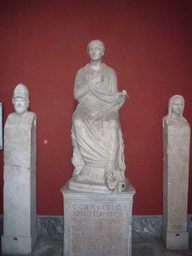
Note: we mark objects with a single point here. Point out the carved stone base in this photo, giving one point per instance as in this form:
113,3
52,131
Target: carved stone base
12,245
97,224
176,240
76,185
89,186
19,227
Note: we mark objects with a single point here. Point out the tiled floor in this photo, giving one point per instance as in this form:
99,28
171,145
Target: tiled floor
139,249
156,249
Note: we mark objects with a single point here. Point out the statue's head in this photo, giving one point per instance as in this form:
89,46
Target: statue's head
20,99
96,44
176,106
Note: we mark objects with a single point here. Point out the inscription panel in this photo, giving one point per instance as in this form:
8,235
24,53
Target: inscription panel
97,224
99,228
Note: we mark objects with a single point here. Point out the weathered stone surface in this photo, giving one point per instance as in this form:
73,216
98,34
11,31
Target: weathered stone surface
98,198
95,187
98,147
20,229
18,245
20,140
19,210
97,224
176,142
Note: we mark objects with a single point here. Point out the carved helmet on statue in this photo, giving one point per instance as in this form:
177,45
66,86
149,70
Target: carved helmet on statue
20,99
21,91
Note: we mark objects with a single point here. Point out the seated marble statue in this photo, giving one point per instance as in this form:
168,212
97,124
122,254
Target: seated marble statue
98,148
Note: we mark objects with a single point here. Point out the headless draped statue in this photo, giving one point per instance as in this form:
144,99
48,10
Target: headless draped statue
98,148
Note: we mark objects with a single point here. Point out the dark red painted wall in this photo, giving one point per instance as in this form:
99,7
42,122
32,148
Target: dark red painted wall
148,43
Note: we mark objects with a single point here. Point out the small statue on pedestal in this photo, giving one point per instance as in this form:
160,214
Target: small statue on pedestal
98,147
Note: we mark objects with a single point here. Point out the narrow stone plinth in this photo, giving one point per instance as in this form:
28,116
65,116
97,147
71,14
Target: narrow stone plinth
176,240
176,143
19,228
97,224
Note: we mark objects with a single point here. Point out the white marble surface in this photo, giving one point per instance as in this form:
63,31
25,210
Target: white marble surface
19,213
98,147
20,228
20,140
97,224
176,143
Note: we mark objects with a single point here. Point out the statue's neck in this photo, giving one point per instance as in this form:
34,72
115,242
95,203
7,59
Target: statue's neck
22,115
175,116
96,65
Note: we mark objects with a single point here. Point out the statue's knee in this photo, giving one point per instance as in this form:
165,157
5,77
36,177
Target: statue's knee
113,123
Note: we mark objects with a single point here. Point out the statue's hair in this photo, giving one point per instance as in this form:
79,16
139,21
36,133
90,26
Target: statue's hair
96,41
171,100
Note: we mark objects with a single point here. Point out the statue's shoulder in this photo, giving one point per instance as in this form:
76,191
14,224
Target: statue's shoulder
28,114
12,115
82,70
16,120
174,124
31,114
108,70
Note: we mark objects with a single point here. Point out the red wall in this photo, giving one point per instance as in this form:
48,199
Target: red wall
148,43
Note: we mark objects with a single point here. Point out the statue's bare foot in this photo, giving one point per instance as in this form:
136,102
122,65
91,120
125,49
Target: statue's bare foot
111,182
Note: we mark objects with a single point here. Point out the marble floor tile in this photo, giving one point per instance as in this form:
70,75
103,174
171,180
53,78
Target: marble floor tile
139,249
156,248
144,250
48,249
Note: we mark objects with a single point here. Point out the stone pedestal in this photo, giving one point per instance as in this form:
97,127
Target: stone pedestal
97,224
176,140
20,230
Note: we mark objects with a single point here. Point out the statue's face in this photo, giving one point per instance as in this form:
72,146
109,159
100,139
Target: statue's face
177,106
20,105
95,51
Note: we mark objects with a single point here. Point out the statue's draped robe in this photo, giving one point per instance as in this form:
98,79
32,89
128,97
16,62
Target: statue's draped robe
96,132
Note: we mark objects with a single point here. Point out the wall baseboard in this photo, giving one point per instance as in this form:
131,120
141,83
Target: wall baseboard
144,228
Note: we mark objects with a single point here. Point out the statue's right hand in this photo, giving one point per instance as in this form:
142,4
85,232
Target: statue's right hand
97,79
81,91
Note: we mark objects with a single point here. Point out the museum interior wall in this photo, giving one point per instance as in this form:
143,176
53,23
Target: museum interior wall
149,45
